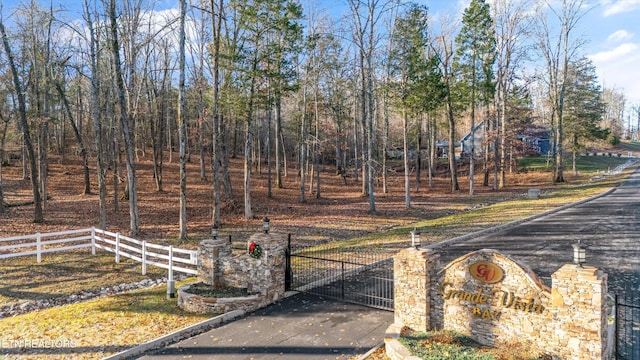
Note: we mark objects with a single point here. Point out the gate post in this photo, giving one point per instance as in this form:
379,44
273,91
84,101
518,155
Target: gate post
288,274
580,312
414,272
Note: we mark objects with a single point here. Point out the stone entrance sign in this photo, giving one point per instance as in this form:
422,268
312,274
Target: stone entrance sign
498,300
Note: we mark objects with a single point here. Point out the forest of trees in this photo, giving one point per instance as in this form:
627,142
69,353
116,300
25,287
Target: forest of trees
282,84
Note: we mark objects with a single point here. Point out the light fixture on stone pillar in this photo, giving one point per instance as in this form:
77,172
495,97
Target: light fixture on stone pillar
265,225
214,232
579,254
415,238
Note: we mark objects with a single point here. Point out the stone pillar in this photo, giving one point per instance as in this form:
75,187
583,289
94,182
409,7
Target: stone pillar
579,298
268,272
209,254
414,271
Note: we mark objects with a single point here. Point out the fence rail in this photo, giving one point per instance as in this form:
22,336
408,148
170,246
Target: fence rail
166,257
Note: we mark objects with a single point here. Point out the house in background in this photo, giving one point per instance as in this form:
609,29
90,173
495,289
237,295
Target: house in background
478,139
534,141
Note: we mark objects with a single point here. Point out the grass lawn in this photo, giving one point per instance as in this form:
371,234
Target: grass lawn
99,327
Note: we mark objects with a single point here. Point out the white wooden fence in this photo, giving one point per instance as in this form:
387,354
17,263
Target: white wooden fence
166,257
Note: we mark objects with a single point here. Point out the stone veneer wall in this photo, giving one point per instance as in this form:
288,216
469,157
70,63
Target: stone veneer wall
264,278
568,321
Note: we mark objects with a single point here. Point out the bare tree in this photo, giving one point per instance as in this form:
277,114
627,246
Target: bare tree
38,216
442,46
95,113
127,129
558,50
513,22
366,16
182,126
216,25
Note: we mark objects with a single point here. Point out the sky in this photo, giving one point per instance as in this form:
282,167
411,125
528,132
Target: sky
611,31
610,28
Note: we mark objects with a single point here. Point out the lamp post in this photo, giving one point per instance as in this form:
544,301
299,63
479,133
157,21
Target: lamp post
415,238
265,225
579,254
214,232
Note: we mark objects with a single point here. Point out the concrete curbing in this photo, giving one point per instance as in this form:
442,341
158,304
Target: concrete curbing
177,335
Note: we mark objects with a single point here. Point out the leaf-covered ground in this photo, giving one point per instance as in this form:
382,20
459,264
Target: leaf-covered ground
108,325
340,212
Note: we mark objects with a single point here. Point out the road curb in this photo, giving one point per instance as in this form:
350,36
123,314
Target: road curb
177,335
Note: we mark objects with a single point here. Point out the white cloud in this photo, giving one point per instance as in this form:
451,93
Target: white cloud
619,6
617,54
620,35
618,67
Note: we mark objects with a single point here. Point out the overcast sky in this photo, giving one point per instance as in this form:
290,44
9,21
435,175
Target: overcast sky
611,30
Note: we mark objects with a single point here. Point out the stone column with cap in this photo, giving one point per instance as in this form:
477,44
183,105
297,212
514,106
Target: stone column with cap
414,272
580,312
210,253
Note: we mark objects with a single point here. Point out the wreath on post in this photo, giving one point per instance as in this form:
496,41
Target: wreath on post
255,250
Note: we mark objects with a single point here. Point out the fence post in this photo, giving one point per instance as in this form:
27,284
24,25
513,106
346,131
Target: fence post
93,240
171,284
144,258
38,247
117,248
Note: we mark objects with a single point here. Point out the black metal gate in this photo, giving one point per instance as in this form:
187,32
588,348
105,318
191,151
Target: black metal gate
356,274
627,328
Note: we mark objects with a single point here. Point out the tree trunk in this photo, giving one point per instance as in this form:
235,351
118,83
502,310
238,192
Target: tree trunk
134,228
96,116
76,133
215,146
279,145
405,150
248,211
182,123
38,216
303,146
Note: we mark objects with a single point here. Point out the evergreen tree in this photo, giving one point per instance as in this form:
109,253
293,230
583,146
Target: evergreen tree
583,106
417,84
475,55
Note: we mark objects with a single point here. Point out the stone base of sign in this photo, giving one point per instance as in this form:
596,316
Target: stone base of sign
497,300
394,349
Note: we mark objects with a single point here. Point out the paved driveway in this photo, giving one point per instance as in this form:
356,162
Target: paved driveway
299,327
609,226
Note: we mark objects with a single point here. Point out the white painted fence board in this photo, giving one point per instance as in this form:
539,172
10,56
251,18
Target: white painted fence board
126,247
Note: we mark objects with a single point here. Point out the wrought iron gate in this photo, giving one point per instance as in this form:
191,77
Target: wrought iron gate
627,328
357,274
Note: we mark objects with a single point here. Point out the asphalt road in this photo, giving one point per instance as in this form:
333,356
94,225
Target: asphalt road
609,226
